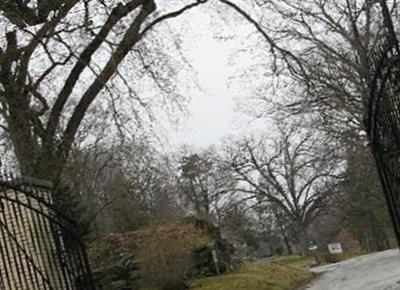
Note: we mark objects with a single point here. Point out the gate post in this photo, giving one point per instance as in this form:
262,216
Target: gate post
33,234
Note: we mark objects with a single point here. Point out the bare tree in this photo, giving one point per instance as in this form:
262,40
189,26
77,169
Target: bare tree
323,51
57,58
294,173
204,181
326,52
122,187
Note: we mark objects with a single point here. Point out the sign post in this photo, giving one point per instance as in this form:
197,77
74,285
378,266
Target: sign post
313,247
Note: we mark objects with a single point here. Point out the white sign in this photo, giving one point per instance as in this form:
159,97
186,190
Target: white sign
313,248
335,248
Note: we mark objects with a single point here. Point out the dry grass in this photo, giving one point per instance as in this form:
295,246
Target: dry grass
296,261
255,276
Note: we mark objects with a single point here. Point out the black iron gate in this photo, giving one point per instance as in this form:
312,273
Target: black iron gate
382,118
38,247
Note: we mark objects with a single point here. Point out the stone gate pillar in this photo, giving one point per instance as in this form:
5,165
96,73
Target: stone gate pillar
31,243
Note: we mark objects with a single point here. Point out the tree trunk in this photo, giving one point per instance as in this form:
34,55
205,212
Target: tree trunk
285,239
20,130
302,238
287,244
283,233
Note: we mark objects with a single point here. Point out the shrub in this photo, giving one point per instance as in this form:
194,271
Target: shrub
330,258
112,249
165,252
163,255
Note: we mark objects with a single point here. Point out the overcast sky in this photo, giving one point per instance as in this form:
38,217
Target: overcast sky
214,107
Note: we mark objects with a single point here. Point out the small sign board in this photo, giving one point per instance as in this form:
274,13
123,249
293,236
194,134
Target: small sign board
335,248
312,245
313,248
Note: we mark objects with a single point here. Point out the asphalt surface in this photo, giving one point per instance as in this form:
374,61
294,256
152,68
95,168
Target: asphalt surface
379,271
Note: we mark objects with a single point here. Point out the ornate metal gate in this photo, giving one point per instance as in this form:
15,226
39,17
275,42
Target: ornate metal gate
382,118
38,248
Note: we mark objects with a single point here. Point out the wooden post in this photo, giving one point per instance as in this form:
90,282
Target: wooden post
215,260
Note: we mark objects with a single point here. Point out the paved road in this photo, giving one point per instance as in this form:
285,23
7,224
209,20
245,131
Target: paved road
380,271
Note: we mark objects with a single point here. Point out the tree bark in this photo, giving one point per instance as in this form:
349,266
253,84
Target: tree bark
283,233
302,237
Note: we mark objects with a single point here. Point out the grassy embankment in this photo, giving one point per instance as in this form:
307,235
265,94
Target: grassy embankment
256,276
285,273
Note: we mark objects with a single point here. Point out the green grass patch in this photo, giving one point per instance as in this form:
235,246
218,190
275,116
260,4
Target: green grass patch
256,276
